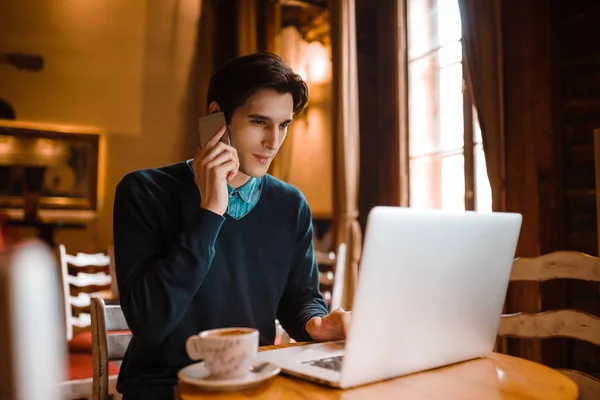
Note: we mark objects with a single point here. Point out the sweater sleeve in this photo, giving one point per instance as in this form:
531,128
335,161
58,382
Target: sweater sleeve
302,299
156,284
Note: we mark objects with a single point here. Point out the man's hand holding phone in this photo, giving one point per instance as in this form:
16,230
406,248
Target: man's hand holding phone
215,165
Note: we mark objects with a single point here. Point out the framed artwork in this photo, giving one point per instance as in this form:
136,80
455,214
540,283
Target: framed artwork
59,164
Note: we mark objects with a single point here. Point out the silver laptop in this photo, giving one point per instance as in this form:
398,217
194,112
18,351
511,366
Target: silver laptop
430,292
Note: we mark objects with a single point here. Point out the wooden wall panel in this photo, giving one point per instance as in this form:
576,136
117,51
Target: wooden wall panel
533,165
578,34
380,86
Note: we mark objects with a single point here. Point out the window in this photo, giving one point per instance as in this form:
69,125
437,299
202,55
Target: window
446,159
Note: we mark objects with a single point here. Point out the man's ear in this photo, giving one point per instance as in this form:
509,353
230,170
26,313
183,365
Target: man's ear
213,107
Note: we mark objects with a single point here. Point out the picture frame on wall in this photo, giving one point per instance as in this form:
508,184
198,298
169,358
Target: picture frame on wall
59,164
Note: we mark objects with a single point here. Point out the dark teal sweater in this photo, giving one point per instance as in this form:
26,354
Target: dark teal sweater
181,270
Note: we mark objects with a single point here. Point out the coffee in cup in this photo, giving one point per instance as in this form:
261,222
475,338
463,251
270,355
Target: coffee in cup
227,352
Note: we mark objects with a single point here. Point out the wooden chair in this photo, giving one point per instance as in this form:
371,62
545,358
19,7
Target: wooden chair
111,336
331,280
83,276
557,323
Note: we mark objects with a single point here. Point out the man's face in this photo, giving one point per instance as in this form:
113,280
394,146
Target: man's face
258,128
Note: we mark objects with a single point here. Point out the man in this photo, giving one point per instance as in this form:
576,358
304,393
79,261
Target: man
217,242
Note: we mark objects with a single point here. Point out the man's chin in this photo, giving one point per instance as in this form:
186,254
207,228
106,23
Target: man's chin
257,171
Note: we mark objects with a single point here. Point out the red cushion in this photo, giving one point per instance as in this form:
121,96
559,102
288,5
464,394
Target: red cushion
82,342
80,366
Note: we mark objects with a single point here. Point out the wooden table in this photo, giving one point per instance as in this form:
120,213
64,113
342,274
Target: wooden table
496,376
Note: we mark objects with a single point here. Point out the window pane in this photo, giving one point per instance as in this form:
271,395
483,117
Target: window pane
449,24
483,190
451,108
477,127
450,54
423,110
453,183
420,28
424,180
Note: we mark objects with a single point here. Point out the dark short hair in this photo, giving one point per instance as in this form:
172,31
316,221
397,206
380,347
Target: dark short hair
241,77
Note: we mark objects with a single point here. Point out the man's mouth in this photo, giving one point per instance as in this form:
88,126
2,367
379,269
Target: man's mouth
262,159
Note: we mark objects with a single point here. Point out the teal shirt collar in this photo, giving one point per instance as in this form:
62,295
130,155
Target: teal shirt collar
246,190
247,196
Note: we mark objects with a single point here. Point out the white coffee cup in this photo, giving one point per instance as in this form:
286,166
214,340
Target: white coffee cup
227,353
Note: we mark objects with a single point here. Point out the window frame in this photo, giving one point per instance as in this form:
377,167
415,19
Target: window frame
470,144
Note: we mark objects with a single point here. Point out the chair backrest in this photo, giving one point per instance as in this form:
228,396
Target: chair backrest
557,323
110,338
331,275
338,278
82,275
32,345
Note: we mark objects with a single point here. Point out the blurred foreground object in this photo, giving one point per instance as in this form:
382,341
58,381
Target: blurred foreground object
32,342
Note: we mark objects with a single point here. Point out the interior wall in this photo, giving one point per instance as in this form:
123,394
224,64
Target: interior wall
93,55
306,160
126,67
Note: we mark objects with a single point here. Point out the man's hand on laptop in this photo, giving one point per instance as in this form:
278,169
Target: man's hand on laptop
330,327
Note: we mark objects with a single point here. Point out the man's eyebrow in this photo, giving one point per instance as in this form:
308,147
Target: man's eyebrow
258,116
266,118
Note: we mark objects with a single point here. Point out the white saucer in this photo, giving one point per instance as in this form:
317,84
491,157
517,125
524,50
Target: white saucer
197,375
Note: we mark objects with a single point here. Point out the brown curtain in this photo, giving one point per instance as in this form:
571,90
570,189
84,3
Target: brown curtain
288,46
198,79
346,139
482,44
205,52
482,50
247,27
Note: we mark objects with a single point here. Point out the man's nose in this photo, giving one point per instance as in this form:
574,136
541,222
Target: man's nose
271,139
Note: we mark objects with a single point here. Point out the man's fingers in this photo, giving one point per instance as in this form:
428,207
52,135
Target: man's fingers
220,148
217,136
317,323
227,168
220,159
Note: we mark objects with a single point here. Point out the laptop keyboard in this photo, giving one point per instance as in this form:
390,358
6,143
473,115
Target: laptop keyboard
334,363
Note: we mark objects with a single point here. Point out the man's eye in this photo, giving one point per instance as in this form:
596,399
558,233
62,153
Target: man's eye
284,125
258,122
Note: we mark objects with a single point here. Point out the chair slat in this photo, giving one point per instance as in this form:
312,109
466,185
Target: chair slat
83,259
88,269
325,258
80,310
75,290
115,320
326,278
589,387
84,279
557,265
80,329
561,323
117,345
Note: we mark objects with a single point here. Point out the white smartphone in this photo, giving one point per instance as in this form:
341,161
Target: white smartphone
209,125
